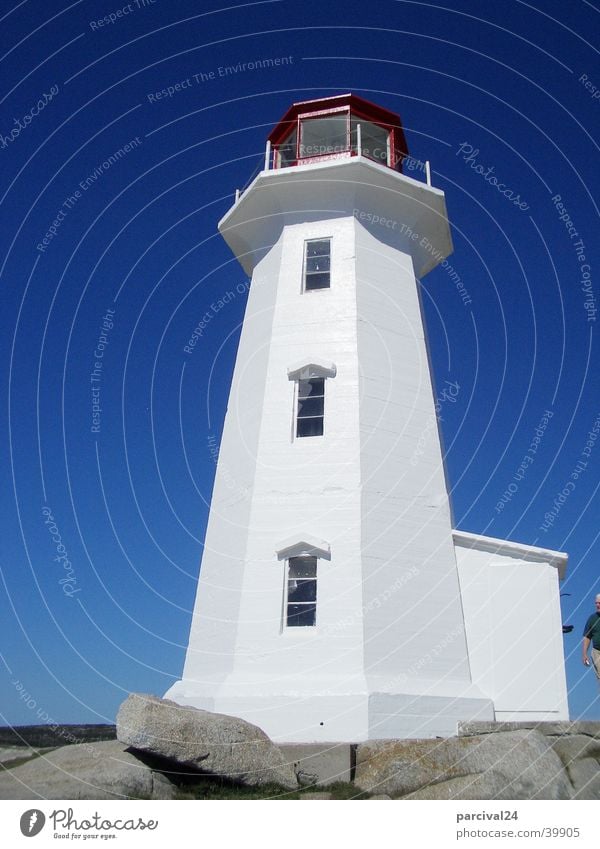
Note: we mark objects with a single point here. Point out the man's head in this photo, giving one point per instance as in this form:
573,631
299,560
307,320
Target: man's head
598,601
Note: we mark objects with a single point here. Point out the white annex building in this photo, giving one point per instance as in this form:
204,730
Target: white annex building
335,601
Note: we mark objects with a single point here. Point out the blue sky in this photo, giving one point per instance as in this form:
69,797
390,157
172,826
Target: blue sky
132,261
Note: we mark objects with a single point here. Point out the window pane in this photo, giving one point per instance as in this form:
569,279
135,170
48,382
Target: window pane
303,567
287,150
320,136
317,248
314,386
317,281
317,263
310,427
311,407
302,590
373,140
301,614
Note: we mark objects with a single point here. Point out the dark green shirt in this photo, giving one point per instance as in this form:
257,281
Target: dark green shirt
592,630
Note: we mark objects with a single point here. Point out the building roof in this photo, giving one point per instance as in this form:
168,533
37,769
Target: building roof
512,549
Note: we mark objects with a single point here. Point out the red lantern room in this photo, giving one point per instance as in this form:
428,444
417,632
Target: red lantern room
337,128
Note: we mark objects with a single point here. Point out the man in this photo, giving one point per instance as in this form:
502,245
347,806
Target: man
591,634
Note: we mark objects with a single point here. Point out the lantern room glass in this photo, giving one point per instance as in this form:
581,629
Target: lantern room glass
286,152
330,135
374,140
323,136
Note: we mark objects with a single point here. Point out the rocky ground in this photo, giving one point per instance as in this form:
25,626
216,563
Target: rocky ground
166,751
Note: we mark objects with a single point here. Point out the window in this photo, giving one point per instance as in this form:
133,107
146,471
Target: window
286,151
323,136
317,260
311,407
300,555
309,404
374,140
301,604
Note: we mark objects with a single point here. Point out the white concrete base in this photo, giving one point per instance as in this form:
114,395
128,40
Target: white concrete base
529,716
287,717
401,716
293,717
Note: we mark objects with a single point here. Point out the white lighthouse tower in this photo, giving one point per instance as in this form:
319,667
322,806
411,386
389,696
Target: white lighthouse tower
329,604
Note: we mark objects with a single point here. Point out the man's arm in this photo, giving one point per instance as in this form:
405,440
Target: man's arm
585,647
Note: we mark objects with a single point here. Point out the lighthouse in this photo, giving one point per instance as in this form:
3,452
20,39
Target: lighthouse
335,600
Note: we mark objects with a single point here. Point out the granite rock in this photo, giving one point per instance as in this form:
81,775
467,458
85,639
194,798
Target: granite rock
523,763
214,743
86,771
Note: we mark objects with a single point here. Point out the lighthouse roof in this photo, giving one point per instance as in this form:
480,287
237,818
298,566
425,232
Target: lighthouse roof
338,127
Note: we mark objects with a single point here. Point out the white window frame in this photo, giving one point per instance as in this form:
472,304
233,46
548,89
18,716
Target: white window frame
305,273
307,546
308,371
